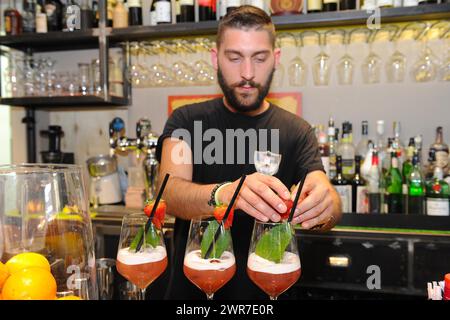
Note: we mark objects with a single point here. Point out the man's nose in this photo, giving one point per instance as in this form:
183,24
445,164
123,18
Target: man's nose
247,70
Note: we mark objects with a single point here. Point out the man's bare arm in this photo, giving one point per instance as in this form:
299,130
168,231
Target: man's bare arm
184,198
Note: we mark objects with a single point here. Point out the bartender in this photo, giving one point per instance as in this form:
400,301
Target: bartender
206,147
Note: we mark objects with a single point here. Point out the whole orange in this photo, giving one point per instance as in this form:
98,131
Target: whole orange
30,284
4,274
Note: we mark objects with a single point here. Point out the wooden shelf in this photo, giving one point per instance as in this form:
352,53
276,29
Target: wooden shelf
66,101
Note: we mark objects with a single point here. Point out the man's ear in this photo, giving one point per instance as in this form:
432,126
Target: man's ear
277,55
214,61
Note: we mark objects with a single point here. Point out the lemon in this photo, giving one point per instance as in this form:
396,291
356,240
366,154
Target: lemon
27,260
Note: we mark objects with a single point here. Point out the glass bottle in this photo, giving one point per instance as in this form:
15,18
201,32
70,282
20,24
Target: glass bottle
13,20
187,11
120,15
416,188
324,150
343,187
360,201
134,12
314,6
347,151
393,181
332,149
374,186
406,171
53,9
87,15
163,11
96,13
29,16
362,147
397,143
205,9
441,150
347,5
153,20
330,5
438,194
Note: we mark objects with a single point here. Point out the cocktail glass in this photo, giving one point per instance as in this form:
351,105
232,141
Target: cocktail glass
209,261
140,267
273,262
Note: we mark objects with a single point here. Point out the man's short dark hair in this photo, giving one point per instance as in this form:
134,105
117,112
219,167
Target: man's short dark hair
246,18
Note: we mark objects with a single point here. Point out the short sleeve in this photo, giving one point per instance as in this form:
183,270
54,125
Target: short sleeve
177,120
307,152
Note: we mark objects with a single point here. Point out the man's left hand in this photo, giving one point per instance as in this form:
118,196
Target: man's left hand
319,205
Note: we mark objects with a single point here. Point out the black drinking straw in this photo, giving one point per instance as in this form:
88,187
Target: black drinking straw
155,205
303,173
225,217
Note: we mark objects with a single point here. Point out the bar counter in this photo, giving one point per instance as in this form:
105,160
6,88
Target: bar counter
409,250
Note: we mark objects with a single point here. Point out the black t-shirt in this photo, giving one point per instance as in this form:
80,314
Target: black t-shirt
276,130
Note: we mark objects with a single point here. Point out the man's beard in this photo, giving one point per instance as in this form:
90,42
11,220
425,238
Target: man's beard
234,99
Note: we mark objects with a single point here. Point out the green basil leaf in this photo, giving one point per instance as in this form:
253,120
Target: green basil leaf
273,243
218,247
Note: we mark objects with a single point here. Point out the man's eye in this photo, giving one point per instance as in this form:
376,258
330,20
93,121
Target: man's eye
260,59
234,59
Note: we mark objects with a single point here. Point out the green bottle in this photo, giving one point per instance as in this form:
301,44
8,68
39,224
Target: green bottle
394,183
406,171
438,194
416,188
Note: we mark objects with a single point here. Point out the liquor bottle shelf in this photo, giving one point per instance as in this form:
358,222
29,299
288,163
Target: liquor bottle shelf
54,41
45,102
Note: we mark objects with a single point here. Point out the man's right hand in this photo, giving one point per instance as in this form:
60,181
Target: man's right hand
261,196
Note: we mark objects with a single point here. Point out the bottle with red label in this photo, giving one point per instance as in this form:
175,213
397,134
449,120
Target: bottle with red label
205,10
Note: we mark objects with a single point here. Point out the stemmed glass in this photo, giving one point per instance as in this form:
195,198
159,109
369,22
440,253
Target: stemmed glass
426,67
396,65
144,266
205,74
273,261
297,68
371,67
322,65
344,67
445,68
209,261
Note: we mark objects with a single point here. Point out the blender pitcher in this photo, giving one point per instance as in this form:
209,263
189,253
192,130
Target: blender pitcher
44,210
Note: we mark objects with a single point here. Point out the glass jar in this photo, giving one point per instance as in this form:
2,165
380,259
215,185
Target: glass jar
84,78
44,210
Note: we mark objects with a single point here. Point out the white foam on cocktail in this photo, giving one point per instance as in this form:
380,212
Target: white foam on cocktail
194,260
148,255
289,263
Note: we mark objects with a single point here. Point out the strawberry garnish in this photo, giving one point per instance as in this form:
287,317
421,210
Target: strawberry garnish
219,213
158,218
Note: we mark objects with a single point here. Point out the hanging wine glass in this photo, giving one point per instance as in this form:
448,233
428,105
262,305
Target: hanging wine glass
445,68
322,65
345,67
297,68
396,64
282,40
371,67
183,73
426,67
